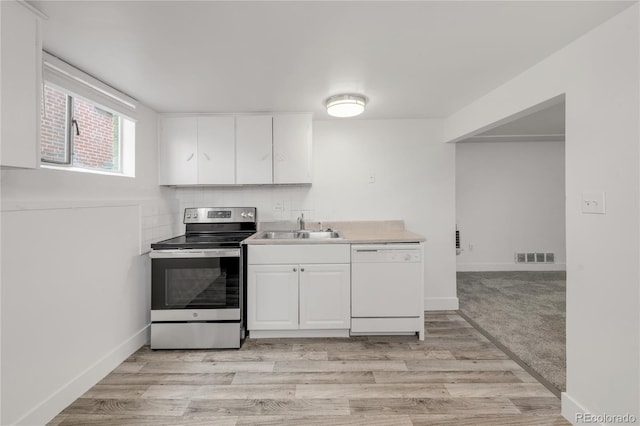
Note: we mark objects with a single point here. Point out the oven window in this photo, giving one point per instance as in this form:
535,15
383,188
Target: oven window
210,283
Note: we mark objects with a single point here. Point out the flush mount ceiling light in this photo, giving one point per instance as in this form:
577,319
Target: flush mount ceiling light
347,105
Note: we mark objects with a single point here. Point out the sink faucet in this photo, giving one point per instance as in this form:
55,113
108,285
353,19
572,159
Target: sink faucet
301,221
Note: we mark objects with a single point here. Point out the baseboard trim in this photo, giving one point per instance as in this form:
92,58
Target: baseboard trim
276,334
570,408
441,304
490,267
59,400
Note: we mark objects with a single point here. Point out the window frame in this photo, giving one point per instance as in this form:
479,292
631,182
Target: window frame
78,85
70,135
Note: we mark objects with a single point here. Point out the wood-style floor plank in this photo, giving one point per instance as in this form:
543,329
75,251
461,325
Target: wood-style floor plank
142,420
463,365
220,392
378,356
510,390
352,420
434,405
330,377
263,355
318,366
548,405
488,420
269,406
361,391
168,379
207,367
454,377
140,407
115,391
445,377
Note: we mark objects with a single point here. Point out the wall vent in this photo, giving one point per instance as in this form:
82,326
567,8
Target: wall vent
534,257
458,248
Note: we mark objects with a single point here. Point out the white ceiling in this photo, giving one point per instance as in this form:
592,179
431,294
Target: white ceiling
411,59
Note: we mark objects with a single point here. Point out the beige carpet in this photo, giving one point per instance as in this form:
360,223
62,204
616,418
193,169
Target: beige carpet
523,311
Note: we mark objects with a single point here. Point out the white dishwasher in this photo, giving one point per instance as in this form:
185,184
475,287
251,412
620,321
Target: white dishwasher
387,289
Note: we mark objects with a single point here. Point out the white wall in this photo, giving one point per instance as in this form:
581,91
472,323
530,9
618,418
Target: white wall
510,198
599,75
75,287
414,181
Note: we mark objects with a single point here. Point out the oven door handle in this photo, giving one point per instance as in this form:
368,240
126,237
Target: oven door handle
192,254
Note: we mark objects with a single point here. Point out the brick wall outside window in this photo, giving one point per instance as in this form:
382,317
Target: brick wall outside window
97,146
53,146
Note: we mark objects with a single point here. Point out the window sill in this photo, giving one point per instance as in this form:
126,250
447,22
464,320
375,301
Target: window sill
81,170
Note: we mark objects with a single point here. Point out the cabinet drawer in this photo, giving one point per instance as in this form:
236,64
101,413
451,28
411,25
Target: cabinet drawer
298,253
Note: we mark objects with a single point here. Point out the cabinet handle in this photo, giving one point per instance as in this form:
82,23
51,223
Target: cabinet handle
190,157
301,269
206,156
295,270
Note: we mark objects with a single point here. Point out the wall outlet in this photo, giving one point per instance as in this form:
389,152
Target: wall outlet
593,202
278,206
372,177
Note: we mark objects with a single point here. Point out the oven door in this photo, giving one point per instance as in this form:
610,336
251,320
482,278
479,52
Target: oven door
196,285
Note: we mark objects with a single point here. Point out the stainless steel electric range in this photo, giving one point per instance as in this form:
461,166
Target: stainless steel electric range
197,281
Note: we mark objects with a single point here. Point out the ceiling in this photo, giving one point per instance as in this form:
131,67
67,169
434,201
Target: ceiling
411,59
544,125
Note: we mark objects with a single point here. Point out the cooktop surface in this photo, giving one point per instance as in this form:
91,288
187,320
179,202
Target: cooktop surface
219,240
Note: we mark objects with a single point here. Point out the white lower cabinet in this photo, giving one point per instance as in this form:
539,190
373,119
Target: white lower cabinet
324,296
298,296
272,297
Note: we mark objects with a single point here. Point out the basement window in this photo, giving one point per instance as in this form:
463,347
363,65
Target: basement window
78,132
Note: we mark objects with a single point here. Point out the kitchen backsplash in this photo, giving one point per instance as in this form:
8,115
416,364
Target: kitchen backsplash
160,219
273,203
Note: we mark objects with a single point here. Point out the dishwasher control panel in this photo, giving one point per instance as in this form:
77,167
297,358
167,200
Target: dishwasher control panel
396,253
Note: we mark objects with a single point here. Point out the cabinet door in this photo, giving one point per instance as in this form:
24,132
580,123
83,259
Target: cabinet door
325,296
292,148
177,151
272,297
254,149
21,72
216,150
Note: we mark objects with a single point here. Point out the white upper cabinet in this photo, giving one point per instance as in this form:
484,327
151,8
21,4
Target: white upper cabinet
21,51
178,151
241,149
292,148
216,150
254,148
196,150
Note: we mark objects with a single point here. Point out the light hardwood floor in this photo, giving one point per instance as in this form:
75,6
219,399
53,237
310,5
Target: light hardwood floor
455,377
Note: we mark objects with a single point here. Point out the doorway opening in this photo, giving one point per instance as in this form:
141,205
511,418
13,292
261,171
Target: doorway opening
510,208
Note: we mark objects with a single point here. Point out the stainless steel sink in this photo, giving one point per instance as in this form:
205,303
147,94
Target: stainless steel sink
292,235
278,235
318,234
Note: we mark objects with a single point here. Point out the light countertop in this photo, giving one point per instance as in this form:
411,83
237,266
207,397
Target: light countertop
354,232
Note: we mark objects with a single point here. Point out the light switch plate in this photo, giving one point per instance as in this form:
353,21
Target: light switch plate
593,202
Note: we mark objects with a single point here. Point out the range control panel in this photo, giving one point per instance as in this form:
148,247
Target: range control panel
219,214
